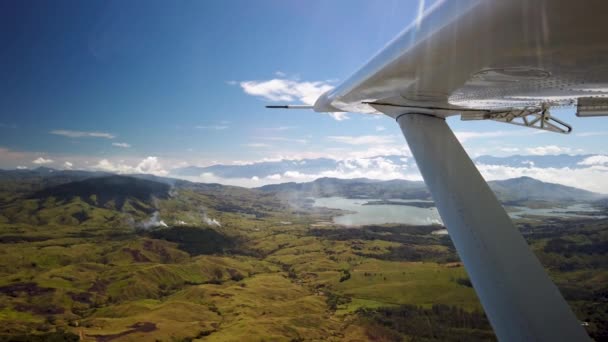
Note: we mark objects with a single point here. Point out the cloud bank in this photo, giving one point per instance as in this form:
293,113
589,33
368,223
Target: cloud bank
150,165
82,134
590,173
42,161
286,90
121,144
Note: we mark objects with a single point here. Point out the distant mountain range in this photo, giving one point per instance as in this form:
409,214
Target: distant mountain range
353,188
319,165
41,177
508,191
64,185
45,196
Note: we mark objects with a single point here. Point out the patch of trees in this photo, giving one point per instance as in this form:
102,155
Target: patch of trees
333,300
586,249
595,314
345,275
195,241
81,216
30,289
233,208
23,238
415,253
590,305
57,336
415,235
557,228
568,248
438,323
235,275
403,229
417,242
464,282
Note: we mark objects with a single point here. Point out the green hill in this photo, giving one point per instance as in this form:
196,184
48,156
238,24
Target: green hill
530,189
100,191
144,258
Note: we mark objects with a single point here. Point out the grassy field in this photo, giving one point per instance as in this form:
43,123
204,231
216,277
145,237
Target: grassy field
78,269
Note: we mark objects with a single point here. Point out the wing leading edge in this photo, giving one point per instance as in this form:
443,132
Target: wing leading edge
479,56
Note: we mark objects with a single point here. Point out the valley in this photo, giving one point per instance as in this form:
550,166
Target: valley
101,257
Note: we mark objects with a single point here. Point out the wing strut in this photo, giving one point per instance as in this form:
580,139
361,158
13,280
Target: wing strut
519,298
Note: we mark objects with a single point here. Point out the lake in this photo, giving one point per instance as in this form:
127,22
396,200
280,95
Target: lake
378,214
418,215
579,210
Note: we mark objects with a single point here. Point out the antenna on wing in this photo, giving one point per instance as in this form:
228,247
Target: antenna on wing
291,107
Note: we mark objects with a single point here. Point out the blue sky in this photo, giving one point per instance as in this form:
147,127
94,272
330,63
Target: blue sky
186,82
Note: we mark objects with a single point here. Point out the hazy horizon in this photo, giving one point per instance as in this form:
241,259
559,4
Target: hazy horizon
116,90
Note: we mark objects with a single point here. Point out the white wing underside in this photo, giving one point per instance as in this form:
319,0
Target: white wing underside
463,56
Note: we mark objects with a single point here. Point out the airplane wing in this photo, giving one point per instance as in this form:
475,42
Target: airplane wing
488,59
503,60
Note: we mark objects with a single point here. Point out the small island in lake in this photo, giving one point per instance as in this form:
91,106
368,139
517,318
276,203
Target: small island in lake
418,204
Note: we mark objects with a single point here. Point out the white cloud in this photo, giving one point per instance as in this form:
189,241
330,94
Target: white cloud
213,127
528,163
42,161
286,90
257,145
363,139
82,134
593,178
283,139
67,165
508,149
469,135
374,168
149,165
106,165
346,151
595,160
278,128
548,150
591,134
21,167
290,90
122,144
338,116
380,128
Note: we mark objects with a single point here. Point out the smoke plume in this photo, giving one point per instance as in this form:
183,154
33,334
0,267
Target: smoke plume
153,222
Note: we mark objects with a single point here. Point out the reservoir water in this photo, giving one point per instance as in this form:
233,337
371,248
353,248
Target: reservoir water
362,214
378,214
579,210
